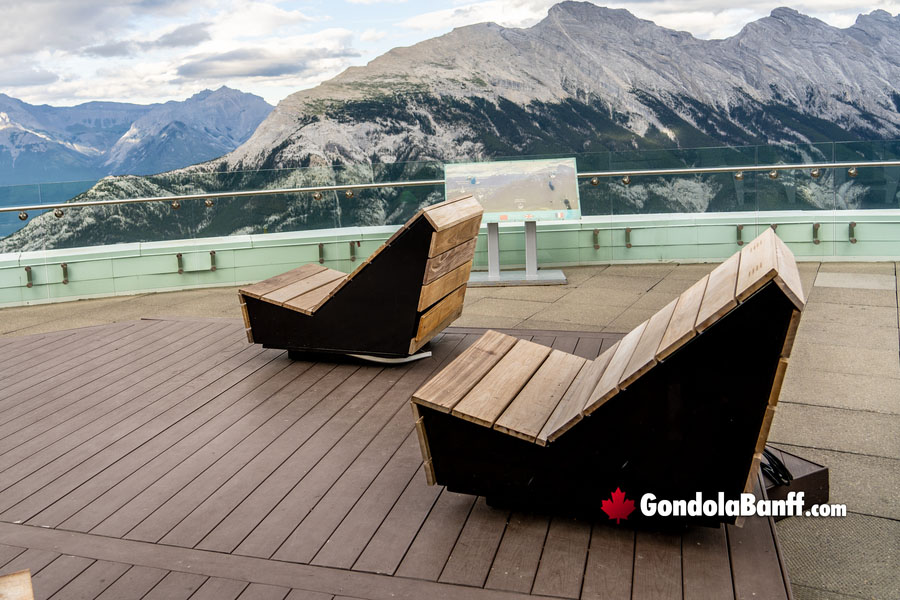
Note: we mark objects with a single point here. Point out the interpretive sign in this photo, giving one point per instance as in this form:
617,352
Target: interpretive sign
518,190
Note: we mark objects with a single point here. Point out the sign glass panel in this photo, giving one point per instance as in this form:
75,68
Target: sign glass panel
518,190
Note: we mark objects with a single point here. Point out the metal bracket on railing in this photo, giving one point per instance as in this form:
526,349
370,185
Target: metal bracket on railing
774,226
816,233
628,237
852,232
28,281
180,263
353,247
321,254
212,260
65,269
596,239
740,228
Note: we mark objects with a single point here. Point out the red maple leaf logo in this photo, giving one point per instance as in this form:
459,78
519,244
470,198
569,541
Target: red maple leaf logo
617,507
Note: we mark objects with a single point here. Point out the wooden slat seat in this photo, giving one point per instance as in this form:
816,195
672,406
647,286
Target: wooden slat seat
397,300
705,369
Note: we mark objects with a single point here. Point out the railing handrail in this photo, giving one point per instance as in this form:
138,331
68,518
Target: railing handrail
432,182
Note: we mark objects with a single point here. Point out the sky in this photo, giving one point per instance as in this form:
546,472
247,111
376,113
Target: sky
65,52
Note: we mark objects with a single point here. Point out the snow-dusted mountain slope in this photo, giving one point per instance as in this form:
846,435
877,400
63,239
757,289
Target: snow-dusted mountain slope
88,141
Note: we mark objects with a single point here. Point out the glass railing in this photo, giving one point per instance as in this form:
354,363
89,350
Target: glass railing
296,204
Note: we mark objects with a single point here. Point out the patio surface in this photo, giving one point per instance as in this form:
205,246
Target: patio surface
840,405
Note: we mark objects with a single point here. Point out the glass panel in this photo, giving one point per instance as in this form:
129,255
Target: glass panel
871,187
15,234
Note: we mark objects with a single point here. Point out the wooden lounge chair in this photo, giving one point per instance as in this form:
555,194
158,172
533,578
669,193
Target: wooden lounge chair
403,295
681,404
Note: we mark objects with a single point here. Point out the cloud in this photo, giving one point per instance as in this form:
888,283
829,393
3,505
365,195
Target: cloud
33,26
111,49
186,35
24,76
372,35
248,19
510,13
376,1
259,62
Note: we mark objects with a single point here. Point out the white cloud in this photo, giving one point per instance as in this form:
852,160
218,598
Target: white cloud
34,25
13,75
372,35
510,13
249,19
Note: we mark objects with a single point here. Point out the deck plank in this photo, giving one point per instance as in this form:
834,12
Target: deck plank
218,588
94,580
323,514
434,542
395,535
706,570
519,554
7,553
46,348
260,591
46,398
32,559
346,544
657,566
610,563
753,550
562,562
134,584
176,586
470,560
58,574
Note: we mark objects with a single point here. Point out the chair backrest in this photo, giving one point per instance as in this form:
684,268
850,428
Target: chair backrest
765,259
450,254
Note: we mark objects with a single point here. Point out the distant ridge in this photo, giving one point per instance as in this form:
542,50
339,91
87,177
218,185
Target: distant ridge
45,143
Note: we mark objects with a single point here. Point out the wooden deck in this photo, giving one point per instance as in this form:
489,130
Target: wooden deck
170,459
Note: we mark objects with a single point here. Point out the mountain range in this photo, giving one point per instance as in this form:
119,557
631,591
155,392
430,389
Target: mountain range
40,144
586,80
